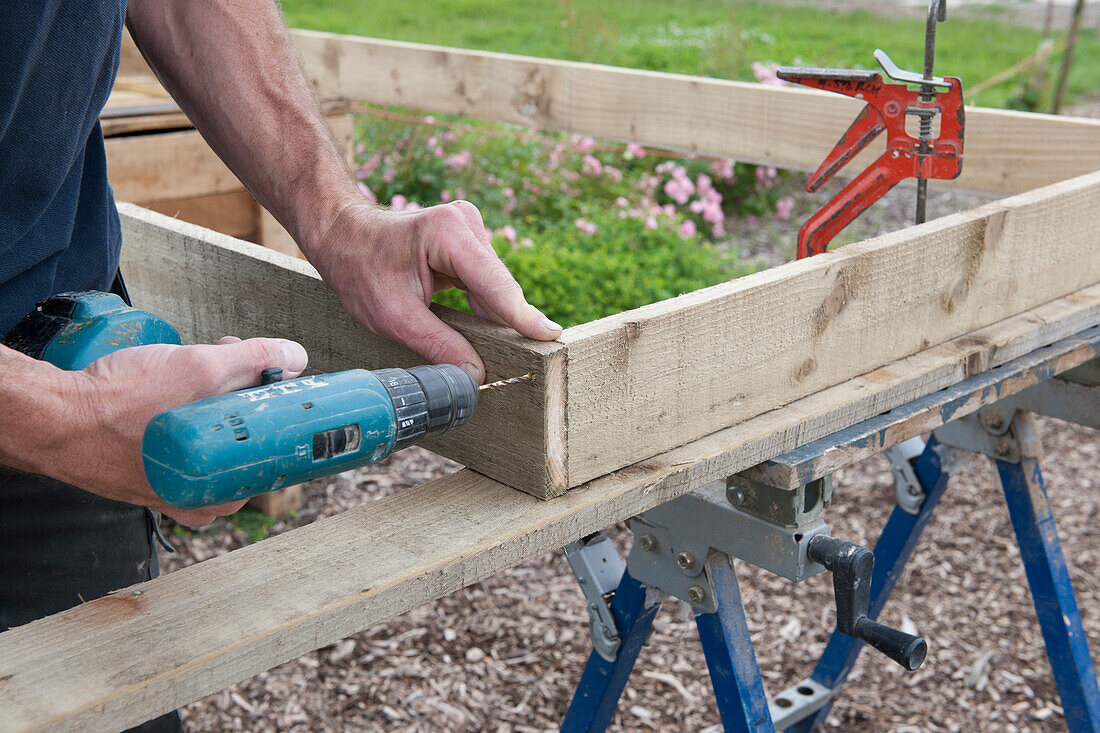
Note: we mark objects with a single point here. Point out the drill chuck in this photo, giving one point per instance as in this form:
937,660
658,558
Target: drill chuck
428,400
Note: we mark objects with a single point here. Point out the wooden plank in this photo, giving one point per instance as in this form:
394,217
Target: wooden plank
1029,378
229,213
209,285
178,164
166,166
117,661
1006,152
646,380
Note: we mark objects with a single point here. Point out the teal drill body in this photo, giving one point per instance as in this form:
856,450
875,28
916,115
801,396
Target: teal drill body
255,440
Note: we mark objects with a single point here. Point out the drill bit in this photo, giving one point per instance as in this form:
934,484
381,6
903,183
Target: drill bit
505,382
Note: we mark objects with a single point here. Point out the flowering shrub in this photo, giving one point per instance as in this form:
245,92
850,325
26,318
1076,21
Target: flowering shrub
587,229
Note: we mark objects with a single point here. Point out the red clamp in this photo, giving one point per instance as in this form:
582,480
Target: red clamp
905,157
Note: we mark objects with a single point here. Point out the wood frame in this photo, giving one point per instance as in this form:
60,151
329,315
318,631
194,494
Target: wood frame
983,287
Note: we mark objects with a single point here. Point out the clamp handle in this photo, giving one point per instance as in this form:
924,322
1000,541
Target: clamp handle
851,566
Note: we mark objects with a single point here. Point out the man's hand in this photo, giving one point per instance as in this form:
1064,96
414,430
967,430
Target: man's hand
95,444
386,266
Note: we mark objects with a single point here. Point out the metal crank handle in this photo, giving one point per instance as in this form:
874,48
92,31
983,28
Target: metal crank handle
851,566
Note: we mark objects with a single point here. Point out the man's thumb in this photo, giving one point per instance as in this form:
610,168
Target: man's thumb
246,359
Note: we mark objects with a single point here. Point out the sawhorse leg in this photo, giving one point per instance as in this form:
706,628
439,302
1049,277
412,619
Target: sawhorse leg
727,645
1051,589
602,682
892,552
731,660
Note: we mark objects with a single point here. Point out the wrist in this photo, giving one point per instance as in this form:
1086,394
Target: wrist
331,223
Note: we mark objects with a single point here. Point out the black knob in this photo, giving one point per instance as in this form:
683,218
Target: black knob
851,566
271,375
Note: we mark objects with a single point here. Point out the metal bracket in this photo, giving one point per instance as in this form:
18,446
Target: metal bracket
777,505
798,702
985,432
907,489
599,569
672,544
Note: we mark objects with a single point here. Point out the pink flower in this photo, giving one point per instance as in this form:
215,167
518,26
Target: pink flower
509,233
360,149
582,143
445,195
634,150
765,74
460,193
526,242
438,151
449,137
687,229
621,203
429,120
388,175
586,226
508,192
722,169
369,166
433,141
650,223
766,175
398,202
460,160
783,208
703,183
369,194
718,229
592,166
613,173
679,188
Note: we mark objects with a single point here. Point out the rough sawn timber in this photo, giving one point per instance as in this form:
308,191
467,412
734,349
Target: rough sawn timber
646,380
122,659
1005,152
210,285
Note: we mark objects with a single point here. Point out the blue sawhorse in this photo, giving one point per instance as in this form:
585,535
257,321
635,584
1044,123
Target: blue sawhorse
1003,430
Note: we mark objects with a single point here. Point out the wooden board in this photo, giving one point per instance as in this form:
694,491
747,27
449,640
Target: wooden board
120,660
646,380
229,213
1005,152
209,285
627,387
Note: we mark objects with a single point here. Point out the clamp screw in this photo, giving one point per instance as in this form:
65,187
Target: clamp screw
735,496
696,594
993,420
1002,448
648,542
686,560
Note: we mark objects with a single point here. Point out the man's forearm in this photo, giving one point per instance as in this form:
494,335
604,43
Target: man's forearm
232,69
33,397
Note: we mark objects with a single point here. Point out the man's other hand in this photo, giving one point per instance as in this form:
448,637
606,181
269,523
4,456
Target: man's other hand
116,396
386,266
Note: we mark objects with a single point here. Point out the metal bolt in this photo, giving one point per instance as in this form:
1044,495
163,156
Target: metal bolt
993,420
686,560
1002,449
647,542
696,594
735,496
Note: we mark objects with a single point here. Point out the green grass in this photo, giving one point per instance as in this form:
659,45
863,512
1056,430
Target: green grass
706,37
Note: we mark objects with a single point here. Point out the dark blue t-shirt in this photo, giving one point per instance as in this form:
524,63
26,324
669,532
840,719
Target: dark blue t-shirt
59,228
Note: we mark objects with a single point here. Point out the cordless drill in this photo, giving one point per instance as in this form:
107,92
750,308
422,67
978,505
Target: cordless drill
256,440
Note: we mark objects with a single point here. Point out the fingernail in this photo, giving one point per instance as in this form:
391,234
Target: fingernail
295,355
547,323
473,370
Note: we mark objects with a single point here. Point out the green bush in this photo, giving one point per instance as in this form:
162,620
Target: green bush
576,277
